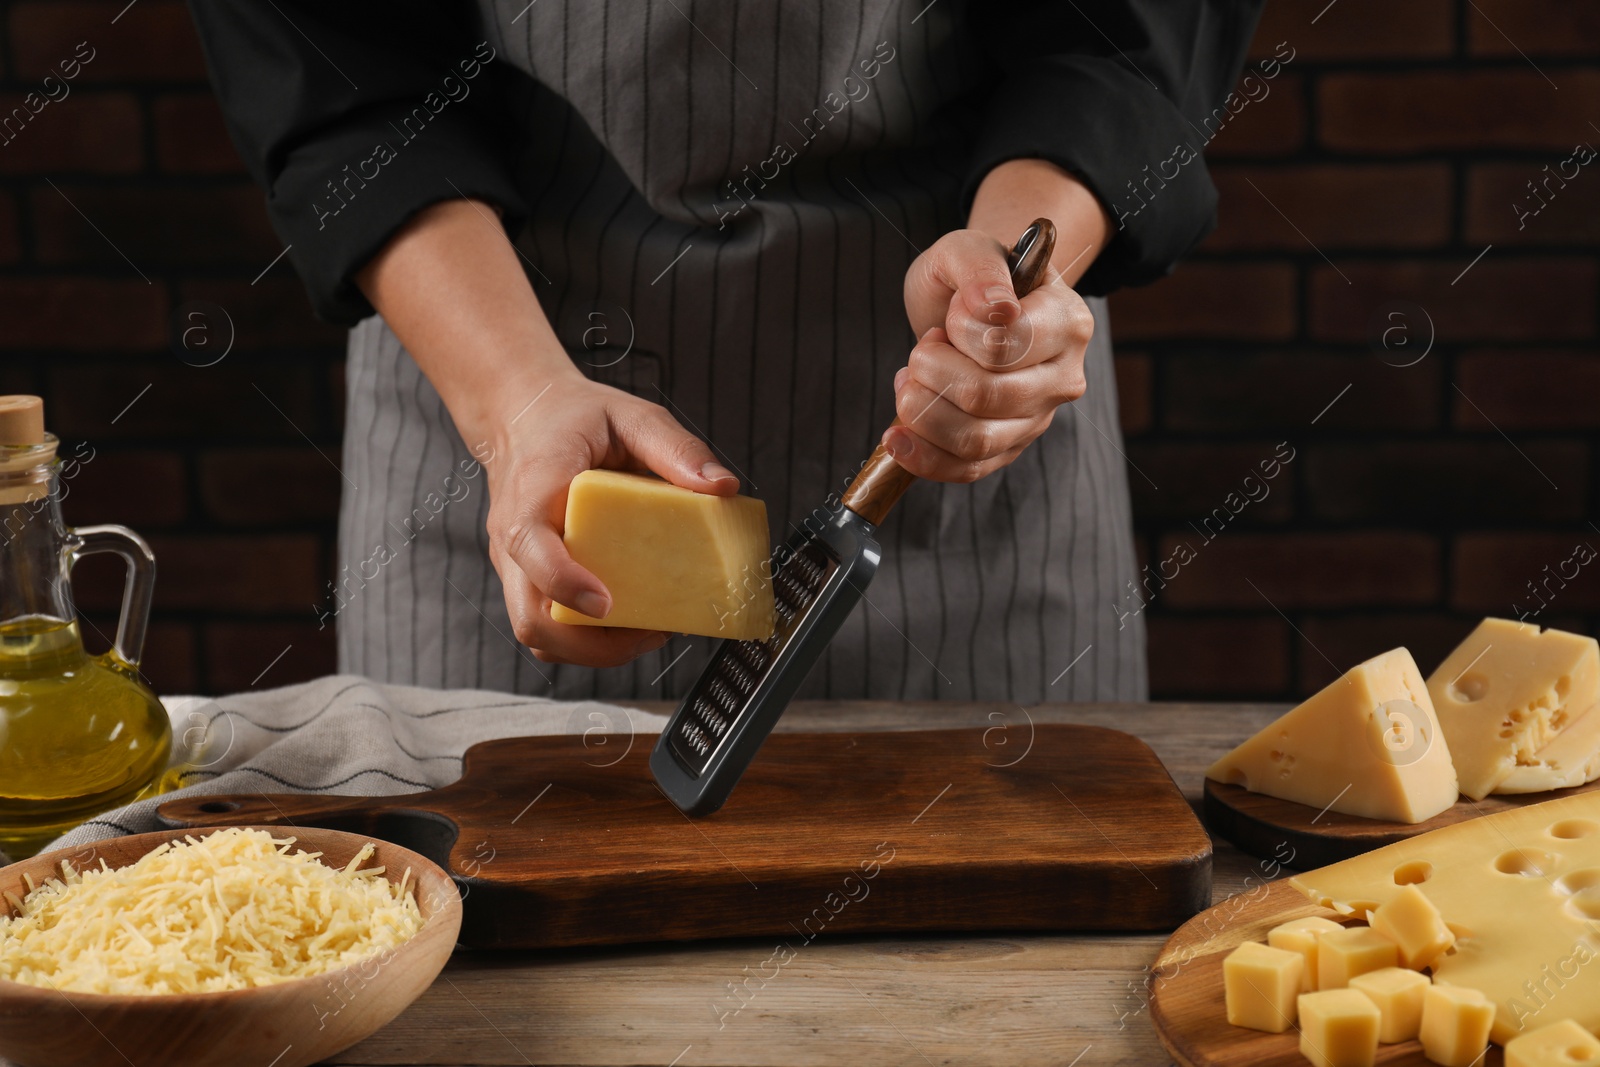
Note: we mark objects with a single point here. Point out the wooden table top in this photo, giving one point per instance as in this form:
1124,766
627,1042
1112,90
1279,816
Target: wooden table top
1004,999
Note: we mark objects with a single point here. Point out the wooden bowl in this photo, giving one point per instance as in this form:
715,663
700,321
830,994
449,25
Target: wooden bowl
299,1022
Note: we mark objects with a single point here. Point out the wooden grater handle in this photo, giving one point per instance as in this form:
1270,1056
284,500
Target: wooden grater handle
882,482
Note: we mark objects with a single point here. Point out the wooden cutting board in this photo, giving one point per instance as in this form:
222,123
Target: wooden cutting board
1271,828
1185,986
843,833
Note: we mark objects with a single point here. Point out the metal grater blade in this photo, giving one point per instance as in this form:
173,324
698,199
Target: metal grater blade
819,578
745,685
737,668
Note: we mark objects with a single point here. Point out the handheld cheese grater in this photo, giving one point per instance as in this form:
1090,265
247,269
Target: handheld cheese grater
817,579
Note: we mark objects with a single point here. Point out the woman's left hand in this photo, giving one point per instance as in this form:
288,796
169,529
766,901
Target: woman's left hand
988,371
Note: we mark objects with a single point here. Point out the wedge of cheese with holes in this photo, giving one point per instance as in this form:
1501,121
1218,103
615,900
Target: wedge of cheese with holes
1521,891
672,559
1506,692
1572,759
1367,744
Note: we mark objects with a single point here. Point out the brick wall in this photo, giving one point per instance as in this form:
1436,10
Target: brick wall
217,465
1359,182
1383,159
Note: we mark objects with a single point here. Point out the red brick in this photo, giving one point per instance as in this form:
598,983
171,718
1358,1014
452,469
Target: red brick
220,403
1303,208
1301,570
1501,209
1535,390
239,575
247,575
155,226
1192,480
1356,29
1447,481
1538,27
1246,301
1500,298
1350,639
153,40
10,239
87,131
1470,110
82,314
1133,392
145,489
168,664
16,377
270,486
239,655
1273,125
271,313
1490,572
191,137
1262,391
1226,658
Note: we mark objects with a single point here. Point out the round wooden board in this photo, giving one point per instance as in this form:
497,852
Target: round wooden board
1186,998
1263,825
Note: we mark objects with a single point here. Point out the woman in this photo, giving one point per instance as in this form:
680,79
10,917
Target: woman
724,216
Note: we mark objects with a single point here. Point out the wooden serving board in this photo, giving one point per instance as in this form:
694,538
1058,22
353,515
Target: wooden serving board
843,832
1185,986
1263,825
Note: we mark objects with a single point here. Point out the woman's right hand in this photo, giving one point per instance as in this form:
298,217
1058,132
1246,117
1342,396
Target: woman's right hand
576,425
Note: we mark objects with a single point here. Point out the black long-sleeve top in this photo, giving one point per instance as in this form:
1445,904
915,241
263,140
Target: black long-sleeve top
707,117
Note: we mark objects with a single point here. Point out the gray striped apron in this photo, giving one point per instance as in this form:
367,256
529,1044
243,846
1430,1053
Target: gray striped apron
754,290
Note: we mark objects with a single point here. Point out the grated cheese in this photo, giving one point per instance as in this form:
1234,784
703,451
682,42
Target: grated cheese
232,910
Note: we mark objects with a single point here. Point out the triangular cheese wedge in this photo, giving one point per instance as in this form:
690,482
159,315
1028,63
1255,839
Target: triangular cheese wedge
672,559
1573,758
1506,692
1518,888
1368,744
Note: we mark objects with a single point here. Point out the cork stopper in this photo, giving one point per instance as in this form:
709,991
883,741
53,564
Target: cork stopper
21,420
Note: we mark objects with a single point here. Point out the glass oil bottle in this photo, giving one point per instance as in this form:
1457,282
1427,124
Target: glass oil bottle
79,733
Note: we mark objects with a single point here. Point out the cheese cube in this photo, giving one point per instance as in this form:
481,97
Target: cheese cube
1300,935
1572,759
1562,1044
1343,954
1398,994
1455,1024
672,559
1410,920
1506,692
1518,888
1259,984
1338,1028
1368,744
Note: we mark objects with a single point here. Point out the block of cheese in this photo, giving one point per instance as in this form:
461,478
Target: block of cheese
1455,1025
1506,692
1338,1028
1343,954
1410,920
1397,992
1521,891
1259,986
673,559
1562,1044
1300,935
1367,744
1571,759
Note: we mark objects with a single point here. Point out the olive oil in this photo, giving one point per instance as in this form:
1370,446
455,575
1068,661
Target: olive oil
79,734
